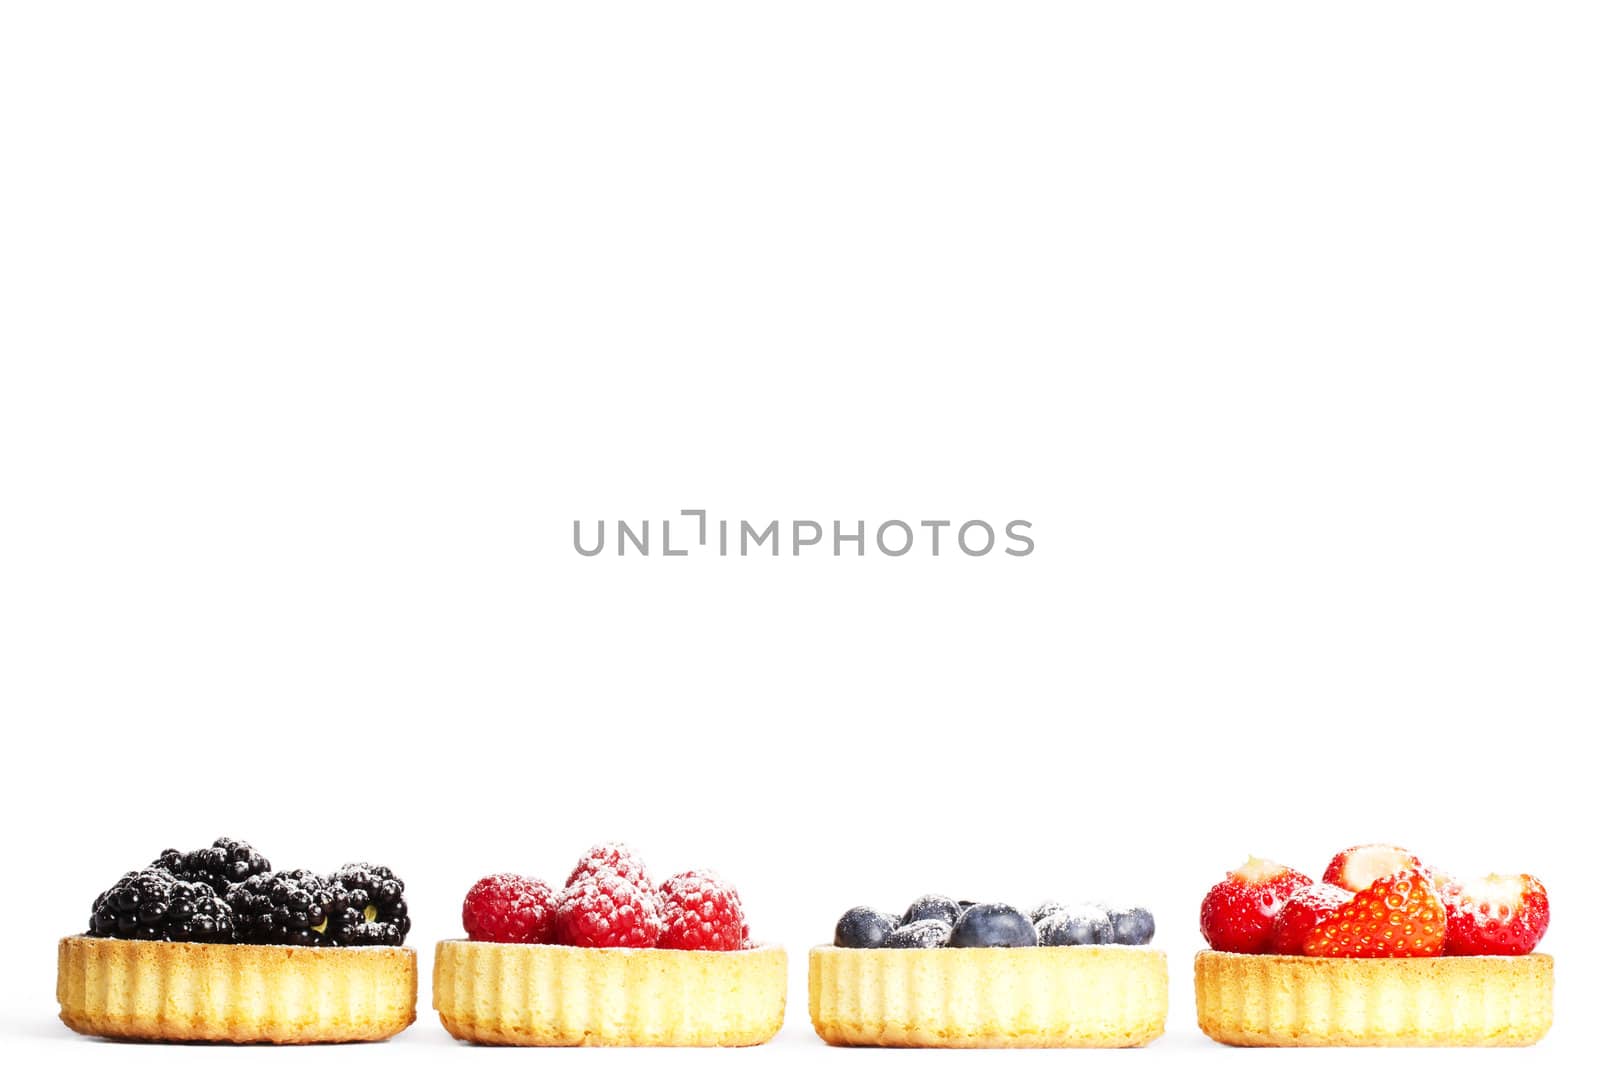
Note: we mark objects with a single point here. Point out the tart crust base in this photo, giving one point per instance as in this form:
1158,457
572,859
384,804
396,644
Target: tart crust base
1446,1000
1104,996
184,991
500,994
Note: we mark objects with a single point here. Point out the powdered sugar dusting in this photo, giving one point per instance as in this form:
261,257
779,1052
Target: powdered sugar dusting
702,911
607,910
611,858
609,901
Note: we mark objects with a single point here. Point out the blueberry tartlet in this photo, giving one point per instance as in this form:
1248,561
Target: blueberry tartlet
949,973
1385,950
612,958
214,945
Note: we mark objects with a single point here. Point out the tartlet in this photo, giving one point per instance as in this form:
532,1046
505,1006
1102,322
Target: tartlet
610,959
1385,950
950,973
213,945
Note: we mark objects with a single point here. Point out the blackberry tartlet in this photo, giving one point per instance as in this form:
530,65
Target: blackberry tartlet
950,973
610,959
213,945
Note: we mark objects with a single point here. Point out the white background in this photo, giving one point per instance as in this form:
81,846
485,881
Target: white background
322,322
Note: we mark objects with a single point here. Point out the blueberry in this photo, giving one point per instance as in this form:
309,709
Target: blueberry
933,906
1080,924
923,933
993,926
864,928
1131,926
1044,909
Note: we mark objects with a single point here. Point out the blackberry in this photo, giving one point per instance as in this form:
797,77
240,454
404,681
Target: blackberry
282,908
225,864
368,906
152,905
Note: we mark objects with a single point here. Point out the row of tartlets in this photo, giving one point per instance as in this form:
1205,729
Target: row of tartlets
216,945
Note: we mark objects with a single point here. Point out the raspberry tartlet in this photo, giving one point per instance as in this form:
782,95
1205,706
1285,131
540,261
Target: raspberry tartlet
951,973
213,945
609,959
1385,950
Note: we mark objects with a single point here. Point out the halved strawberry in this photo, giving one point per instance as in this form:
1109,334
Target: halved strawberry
1237,914
1305,908
1357,868
1399,915
1497,915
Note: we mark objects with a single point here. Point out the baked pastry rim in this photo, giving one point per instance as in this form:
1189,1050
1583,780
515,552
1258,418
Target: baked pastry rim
932,990
1440,1001
167,991
607,983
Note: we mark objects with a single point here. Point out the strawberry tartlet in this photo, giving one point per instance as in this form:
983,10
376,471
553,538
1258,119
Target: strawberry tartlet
611,958
1384,950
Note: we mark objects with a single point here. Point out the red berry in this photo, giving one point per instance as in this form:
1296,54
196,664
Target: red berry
1306,907
1237,914
1400,915
700,911
608,912
612,859
1499,915
1357,868
509,907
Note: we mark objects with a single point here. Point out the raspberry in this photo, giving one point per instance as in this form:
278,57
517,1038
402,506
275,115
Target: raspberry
612,859
509,907
608,912
701,911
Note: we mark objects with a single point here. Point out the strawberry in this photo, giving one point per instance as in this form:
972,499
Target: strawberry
1397,915
1237,914
1357,868
1497,915
1304,909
